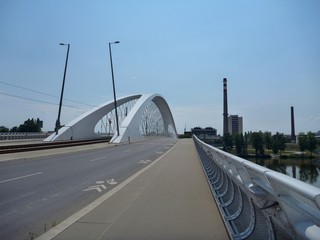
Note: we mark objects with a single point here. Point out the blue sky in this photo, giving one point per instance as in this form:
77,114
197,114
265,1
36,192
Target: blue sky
182,49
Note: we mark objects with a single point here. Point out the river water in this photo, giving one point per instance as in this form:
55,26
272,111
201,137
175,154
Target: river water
304,169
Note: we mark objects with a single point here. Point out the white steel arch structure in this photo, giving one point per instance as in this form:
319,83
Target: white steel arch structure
149,115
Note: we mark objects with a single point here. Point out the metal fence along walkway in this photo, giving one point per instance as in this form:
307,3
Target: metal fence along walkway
258,203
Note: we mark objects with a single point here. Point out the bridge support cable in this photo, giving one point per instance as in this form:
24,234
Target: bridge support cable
258,203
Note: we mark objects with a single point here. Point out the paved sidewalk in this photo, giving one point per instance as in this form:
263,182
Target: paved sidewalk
169,199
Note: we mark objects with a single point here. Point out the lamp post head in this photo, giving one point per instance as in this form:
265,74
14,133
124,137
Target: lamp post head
114,42
63,44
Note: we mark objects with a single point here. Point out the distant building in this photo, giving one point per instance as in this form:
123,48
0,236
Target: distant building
235,124
187,134
207,134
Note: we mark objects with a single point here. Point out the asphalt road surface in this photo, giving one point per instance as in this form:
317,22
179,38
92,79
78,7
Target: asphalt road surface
38,193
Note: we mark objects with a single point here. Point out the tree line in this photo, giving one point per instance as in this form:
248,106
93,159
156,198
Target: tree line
307,142
30,125
262,141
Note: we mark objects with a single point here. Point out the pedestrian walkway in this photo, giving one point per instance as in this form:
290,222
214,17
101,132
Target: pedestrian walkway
170,199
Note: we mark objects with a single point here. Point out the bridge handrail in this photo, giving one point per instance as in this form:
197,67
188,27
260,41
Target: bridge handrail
292,205
22,135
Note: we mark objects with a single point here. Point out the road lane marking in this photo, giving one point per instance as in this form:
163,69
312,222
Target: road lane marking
144,161
111,181
99,188
17,178
97,159
101,185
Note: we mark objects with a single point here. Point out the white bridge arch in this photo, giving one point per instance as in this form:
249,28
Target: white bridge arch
149,115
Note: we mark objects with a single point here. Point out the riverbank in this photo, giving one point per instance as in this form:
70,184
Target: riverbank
291,151
282,156
277,156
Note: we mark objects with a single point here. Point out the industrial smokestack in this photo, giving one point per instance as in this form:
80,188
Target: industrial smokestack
293,135
225,107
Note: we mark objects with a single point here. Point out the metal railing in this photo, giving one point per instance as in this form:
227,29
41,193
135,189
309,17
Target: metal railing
258,203
22,135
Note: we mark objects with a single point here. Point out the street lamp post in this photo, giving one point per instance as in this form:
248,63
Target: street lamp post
114,89
58,125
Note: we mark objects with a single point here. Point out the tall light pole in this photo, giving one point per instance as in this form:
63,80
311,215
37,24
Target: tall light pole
114,89
225,108
58,125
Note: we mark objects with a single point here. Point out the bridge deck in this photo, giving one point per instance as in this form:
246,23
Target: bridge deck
169,200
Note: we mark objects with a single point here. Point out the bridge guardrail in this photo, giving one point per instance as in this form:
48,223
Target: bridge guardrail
22,135
259,203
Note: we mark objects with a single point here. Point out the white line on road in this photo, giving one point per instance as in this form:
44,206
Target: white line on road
12,179
97,159
112,181
144,161
99,188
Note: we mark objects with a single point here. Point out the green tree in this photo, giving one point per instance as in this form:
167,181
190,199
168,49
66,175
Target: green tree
30,125
14,129
257,142
311,142
245,142
302,142
268,140
4,129
282,141
227,142
274,144
239,143
278,143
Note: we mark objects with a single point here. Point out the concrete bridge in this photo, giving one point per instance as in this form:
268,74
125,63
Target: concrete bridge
255,203
138,115
193,191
